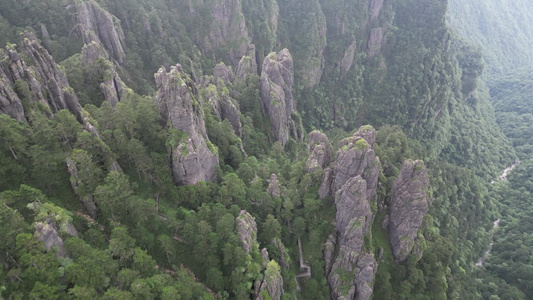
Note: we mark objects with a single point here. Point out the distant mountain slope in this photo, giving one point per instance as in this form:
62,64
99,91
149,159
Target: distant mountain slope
503,28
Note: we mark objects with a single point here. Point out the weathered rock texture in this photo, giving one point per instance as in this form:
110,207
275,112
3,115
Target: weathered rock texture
46,83
75,181
409,205
352,270
98,25
273,186
194,158
319,150
353,181
247,65
247,231
224,106
46,233
347,60
355,156
272,282
227,30
113,88
277,78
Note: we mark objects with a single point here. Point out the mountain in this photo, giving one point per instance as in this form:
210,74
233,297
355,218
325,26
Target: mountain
244,150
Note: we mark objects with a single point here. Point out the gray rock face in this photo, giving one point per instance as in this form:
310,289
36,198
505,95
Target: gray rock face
284,260
98,25
194,158
364,276
273,186
353,181
228,30
224,73
272,282
375,41
409,205
46,233
277,78
319,150
247,65
325,188
375,8
87,201
224,106
46,83
357,157
354,218
347,60
113,88
247,231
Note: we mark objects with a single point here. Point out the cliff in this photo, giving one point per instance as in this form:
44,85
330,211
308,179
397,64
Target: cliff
277,79
409,205
353,181
194,158
39,81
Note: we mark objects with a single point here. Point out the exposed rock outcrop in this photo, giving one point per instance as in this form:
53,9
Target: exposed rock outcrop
227,30
273,186
355,157
272,282
353,181
347,60
409,205
194,158
87,201
46,84
247,65
113,88
224,106
98,25
351,267
319,150
247,231
46,233
375,8
284,258
224,73
277,78
375,41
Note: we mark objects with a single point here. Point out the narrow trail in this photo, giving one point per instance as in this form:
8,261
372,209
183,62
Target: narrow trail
303,266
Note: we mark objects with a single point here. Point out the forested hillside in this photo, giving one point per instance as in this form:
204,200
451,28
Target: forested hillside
259,149
503,28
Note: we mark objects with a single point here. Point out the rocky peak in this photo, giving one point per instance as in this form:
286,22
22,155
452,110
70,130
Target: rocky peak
319,150
194,158
355,157
46,82
113,88
247,65
224,73
409,205
277,78
352,271
98,25
247,231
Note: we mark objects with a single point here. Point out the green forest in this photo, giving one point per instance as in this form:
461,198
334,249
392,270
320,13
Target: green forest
265,149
